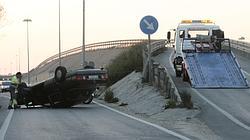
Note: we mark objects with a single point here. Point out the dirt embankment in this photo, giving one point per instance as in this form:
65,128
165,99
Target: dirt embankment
145,102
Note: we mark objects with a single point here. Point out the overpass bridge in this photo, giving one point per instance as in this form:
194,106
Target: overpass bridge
101,53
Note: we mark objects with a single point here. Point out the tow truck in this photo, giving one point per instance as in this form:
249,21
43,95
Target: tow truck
203,57
65,89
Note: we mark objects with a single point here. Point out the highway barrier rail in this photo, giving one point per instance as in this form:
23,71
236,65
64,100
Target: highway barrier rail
93,47
161,77
163,81
240,47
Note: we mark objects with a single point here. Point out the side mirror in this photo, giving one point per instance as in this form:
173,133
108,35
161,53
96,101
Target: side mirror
169,35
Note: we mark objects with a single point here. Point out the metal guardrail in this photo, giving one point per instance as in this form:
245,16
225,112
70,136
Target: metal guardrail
161,77
93,47
163,81
240,45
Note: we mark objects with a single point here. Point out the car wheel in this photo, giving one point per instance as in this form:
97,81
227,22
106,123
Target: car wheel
89,100
60,74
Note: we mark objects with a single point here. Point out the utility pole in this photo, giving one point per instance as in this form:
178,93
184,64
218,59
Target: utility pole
60,61
28,20
83,34
19,59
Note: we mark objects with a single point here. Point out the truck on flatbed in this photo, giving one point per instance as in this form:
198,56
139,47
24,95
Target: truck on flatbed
64,89
204,58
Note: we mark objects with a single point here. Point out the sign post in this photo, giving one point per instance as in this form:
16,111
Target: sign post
149,25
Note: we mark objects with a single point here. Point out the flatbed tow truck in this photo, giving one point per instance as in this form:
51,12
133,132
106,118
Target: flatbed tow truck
203,57
64,89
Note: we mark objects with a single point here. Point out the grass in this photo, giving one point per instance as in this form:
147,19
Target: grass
170,104
186,99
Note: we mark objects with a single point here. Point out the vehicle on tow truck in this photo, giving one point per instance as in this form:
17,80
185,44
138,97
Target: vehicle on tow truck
65,89
204,58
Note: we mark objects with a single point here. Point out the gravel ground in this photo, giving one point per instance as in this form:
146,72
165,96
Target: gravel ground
145,102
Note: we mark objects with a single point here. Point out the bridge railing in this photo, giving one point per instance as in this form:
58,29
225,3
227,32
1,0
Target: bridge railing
161,78
241,45
163,81
94,46
240,48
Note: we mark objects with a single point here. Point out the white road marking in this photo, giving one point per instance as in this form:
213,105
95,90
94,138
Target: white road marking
5,125
246,73
145,122
229,116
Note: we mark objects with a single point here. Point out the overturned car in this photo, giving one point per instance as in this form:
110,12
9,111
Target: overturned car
65,89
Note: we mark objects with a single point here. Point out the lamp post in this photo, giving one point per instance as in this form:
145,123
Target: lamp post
83,34
27,21
60,61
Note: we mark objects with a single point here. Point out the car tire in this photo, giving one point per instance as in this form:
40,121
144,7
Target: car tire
89,100
60,74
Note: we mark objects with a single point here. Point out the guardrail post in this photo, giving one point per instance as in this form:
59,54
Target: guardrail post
161,70
155,74
166,82
169,89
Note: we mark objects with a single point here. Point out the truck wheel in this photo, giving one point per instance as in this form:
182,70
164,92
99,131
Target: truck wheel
60,74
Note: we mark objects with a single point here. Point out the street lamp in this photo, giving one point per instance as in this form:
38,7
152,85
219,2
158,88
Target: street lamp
28,20
60,61
83,34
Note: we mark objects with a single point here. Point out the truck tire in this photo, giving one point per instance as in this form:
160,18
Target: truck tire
60,74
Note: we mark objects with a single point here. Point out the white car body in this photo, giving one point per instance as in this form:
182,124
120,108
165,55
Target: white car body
5,85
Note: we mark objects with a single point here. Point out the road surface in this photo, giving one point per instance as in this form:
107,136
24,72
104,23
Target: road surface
225,111
88,122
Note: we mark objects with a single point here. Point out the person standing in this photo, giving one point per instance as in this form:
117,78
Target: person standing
15,81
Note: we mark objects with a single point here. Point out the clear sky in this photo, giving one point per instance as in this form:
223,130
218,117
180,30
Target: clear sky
106,20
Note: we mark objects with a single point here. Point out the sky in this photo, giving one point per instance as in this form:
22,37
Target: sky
105,20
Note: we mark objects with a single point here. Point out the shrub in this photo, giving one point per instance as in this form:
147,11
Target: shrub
125,63
170,104
186,99
109,97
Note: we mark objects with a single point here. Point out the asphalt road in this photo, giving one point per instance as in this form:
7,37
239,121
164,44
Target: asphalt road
225,111
88,122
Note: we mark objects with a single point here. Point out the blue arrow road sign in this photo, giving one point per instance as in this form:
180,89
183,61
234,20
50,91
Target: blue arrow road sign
149,25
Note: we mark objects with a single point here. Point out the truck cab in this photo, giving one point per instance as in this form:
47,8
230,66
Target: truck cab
191,29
